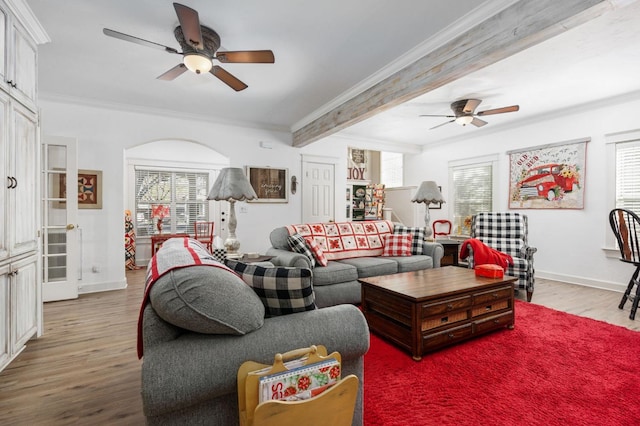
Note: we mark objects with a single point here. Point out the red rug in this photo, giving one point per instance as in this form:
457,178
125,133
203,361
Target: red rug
554,368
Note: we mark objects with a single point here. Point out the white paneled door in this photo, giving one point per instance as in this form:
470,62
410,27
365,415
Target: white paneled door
318,192
60,217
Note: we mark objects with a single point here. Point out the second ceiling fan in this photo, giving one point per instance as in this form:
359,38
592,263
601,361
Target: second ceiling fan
200,46
464,113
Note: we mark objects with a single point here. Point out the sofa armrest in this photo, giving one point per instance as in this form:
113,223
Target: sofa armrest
288,258
200,367
435,250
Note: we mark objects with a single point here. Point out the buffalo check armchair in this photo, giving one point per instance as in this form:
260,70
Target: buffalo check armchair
507,232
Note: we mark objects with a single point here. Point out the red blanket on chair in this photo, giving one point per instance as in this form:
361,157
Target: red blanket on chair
482,254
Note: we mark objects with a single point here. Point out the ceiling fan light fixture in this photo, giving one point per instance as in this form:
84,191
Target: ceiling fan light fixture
197,63
463,120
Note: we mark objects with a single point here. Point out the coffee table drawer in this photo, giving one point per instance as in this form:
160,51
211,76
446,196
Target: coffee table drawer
446,319
489,307
447,337
494,322
442,307
488,296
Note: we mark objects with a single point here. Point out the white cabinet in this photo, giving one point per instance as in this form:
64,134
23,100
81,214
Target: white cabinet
20,278
18,66
20,306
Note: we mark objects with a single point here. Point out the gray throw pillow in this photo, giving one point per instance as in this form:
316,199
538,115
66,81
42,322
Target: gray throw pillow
207,299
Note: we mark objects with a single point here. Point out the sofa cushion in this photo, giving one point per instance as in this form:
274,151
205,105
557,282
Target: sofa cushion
334,272
372,266
317,251
397,245
416,232
281,290
299,245
207,300
413,263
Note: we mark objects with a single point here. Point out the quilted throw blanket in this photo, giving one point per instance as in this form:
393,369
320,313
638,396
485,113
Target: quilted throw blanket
343,240
175,253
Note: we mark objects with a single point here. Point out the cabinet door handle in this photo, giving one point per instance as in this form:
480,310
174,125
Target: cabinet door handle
13,183
10,182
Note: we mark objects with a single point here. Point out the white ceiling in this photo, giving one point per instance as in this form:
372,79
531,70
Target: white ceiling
324,49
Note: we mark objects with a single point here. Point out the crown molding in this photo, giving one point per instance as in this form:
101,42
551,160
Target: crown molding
72,100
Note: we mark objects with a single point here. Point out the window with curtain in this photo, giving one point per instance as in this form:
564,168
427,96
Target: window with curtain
472,186
628,176
179,197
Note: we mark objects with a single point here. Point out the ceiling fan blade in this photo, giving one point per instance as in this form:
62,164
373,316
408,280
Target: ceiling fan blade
247,56
132,39
190,24
477,122
228,78
173,73
445,116
512,108
471,105
440,125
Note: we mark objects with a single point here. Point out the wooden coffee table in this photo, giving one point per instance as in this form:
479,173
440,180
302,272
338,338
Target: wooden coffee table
427,310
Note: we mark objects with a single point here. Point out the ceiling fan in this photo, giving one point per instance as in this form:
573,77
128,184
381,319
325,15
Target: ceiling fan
200,46
464,114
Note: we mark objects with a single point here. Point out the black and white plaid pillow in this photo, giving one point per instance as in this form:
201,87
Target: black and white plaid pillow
418,237
299,245
282,290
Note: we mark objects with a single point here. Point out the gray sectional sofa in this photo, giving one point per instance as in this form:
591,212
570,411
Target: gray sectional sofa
337,283
200,323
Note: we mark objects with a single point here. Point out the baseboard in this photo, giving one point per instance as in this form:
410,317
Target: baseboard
102,286
582,281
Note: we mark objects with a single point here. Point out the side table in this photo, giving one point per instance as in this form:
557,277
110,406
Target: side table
451,249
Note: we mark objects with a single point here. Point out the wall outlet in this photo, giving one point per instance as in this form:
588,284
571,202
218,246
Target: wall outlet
243,209
95,269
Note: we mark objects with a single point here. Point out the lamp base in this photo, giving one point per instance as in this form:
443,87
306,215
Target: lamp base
233,246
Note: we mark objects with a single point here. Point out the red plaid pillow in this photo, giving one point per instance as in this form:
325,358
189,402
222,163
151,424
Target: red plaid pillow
397,245
317,251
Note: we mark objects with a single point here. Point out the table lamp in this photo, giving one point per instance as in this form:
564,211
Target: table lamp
427,193
232,185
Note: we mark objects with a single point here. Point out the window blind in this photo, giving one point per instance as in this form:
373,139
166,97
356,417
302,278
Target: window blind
184,193
391,169
472,190
628,176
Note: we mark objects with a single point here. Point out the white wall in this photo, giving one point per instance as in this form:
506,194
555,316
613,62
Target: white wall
570,242
104,137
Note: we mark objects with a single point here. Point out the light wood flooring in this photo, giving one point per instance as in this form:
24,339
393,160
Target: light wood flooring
84,369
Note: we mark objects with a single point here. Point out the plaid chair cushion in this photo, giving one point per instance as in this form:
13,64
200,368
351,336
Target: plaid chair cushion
418,237
397,245
299,245
282,290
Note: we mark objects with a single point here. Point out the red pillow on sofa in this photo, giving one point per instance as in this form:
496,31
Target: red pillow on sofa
316,250
397,245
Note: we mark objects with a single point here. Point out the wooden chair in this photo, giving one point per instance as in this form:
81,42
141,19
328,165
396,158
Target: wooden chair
203,232
442,223
626,225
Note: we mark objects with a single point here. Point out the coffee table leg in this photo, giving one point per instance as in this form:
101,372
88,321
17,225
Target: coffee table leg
416,358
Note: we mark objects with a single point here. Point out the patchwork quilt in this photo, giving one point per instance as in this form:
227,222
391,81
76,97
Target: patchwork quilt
343,240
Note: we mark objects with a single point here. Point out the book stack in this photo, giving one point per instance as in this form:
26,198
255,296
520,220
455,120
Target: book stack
299,383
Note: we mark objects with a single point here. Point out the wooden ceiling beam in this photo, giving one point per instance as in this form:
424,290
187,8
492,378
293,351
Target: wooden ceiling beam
516,28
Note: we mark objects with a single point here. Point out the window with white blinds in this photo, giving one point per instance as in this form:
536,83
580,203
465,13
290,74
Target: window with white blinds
472,186
182,193
628,176
391,169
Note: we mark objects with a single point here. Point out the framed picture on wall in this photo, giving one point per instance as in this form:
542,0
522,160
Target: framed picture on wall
269,183
89,189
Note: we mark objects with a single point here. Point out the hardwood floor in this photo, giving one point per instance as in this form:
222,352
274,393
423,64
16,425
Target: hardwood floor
84,369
